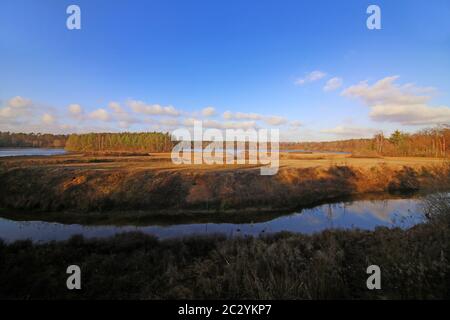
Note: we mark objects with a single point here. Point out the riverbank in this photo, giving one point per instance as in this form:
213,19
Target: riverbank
152,185
171,217
328,265
367,214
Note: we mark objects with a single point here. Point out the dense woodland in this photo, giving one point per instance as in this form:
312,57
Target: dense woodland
425,143
131,142
31,140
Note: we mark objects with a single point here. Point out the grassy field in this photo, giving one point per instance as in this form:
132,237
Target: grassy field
162,161
153,185
327,265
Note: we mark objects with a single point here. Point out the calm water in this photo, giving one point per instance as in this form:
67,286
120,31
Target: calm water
363,214
30,152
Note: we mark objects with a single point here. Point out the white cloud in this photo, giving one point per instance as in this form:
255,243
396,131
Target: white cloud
404,104
241,116
208,111
152,109
100,115
385,91
16,107
19,102
227,115
310,77
333,84
115,106
212,124
75,110
7,112
275,120
189,122
16,114
239,125
295,123
169,122
121,115
270,120
350,132
48,119
420,114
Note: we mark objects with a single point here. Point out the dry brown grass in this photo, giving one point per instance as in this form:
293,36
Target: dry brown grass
154,183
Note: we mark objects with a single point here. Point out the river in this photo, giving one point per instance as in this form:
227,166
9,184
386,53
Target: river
361,214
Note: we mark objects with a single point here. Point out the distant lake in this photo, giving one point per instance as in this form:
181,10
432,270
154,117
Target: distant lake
362,214
14,152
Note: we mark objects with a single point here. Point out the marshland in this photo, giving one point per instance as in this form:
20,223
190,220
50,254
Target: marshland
142,227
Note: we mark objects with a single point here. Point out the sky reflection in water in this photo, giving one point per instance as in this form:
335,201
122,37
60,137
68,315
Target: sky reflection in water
362,214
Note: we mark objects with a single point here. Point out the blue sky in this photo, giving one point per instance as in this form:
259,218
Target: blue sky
156,65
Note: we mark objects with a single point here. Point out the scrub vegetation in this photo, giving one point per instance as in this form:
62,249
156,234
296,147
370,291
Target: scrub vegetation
154,184
329,265
432,142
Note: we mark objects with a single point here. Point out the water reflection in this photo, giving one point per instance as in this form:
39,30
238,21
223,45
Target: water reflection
14,152
364,214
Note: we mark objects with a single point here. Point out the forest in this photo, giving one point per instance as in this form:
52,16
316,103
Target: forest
132,142
433,142
31,140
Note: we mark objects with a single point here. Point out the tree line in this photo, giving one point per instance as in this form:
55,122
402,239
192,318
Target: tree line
126,141
432,142
31,140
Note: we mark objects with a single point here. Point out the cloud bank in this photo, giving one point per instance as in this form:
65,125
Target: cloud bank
403,104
